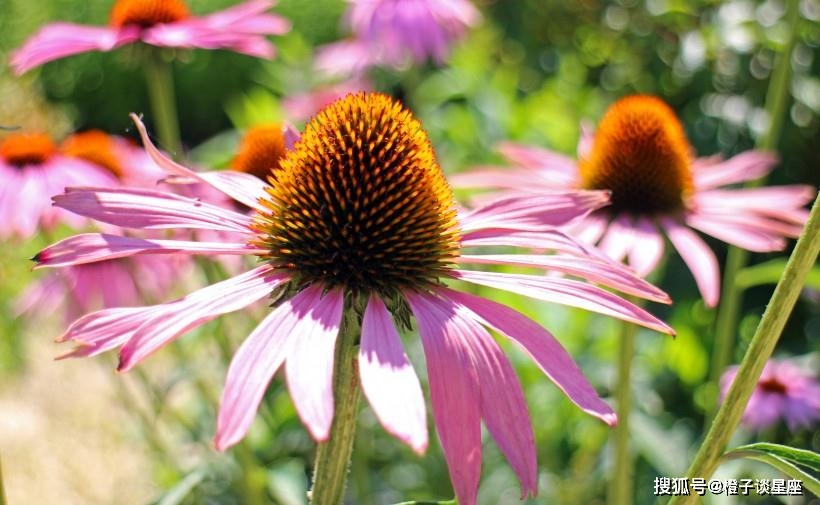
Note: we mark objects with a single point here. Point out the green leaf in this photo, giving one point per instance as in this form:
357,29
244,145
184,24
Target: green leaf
769,272
788,460
178,493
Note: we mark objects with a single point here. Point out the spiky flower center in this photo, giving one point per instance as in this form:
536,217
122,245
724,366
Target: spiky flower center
260,151
361,202
641,154
95,146
22,149
147,13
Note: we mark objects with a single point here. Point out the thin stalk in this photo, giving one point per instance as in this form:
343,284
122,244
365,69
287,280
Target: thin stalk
2,487
731,298
760,350
333,456
621,485
159,79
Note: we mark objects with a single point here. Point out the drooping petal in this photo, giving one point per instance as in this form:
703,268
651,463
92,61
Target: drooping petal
544,349
746,166
780,202
566,292
454,394
590,229
740,232
698,257
388,379
545,239
533,211
595,270
254,364
92,247
197,309
647,247
244,188
149,209
619,238
558,170
503,407
106,329
58,40
309,367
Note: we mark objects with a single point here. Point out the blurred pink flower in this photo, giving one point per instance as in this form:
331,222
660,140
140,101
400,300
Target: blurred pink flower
388,261
784,391
163,23
31,169
397,33
302,106
641,154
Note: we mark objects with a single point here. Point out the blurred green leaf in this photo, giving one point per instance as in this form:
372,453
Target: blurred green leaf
784,458
769,272
178,493
287,483
448,502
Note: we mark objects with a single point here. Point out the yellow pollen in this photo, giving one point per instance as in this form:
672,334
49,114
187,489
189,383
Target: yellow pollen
361,202
95,146
21,149
260,150
641,154
147,13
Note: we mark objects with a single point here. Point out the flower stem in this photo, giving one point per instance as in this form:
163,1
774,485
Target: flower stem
621,485
333,456
159,79
731,297
760,349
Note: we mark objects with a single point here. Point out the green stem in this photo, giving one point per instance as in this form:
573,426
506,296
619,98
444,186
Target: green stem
760,349
159,79
621,485
732,295
2,487
333,456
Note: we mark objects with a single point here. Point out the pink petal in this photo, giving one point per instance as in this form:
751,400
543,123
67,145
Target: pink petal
144,208
618,239
566,292
647,247
740,232
502,399
551,357
530,212
309,367
746,166
454,392
559,170
91,247
544,239
343,58
196,309
106,329
698,257
244,188
526,179
590,229
388,379
595,270
58,40
254,364
774,201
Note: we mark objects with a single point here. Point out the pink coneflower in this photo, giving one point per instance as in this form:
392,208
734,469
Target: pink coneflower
641,154
361,220
397,34
301,106
163,23
31,166
784,391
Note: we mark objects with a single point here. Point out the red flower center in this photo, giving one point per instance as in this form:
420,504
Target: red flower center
641,154
260,151
21,149
94,146
146,13
772,386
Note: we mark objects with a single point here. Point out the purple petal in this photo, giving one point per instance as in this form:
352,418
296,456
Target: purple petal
533,211
254,364
388,379
196,309
58,40
91,247
106,329
698,257
559,170
454,393
545,239
566,292
746,166
744,232
148,209
244,188
309,367
551,357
